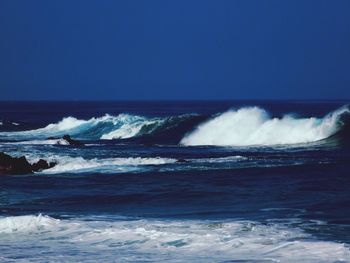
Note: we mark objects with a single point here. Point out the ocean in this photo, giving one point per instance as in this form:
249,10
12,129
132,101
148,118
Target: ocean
177,181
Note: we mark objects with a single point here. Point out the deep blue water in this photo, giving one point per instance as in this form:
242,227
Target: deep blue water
179,181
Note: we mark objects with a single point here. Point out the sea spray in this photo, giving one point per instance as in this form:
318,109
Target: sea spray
254,126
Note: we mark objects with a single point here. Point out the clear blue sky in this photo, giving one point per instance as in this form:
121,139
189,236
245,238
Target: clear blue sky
174,49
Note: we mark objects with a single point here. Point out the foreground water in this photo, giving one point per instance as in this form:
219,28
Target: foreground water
178,182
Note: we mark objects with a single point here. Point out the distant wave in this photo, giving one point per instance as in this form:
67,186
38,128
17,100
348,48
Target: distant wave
108,127
40,142
254,126
248,126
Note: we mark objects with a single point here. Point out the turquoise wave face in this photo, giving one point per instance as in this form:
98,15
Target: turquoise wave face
107,127
132,192
247,126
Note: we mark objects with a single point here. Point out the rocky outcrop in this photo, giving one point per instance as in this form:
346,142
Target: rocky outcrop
70,141
20,165
42,165
66,140
14,165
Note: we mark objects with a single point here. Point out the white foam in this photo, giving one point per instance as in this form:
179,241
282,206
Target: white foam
79,164
106,127
41,142
73,125
254,126
128,130
68,164
156,240
234,158
23,224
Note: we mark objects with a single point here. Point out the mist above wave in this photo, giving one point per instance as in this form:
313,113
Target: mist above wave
248,126
254,126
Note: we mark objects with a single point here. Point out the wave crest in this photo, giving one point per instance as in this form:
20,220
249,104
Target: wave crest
243,127
107,127
254,126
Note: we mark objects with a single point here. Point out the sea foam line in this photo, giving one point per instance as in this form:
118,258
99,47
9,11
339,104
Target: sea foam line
79,164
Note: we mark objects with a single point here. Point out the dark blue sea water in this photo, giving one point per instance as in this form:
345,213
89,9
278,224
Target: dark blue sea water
229,181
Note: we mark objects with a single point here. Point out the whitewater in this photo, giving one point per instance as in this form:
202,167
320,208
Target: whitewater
177,182
246,126
172,241
254,126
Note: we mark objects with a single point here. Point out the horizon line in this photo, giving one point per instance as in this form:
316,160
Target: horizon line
166,100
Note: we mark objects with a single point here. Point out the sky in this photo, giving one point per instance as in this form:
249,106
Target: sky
174,49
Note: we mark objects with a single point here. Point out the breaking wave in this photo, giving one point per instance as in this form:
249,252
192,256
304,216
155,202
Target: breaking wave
254,126
246,126
107,127
161,240
41,142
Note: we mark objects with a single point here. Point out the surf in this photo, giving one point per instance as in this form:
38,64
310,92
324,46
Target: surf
108,165
161,240
107,127
246,126
251,126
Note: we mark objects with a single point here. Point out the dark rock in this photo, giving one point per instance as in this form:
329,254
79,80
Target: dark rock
21,166
52,164
68,139
13,165
181,161
4,158
5,163
40,165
